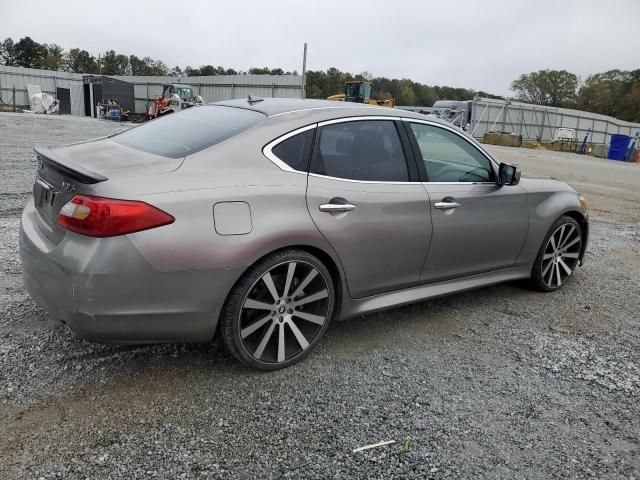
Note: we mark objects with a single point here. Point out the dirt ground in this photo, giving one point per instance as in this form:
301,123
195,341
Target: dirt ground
500,382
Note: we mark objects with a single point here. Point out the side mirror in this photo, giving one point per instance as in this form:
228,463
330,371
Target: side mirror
508,174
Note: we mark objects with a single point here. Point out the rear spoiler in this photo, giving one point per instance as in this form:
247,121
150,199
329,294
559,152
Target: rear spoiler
48,156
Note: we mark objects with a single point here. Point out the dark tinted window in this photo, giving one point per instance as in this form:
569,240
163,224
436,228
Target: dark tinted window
449,157
295,150
184,133
363,150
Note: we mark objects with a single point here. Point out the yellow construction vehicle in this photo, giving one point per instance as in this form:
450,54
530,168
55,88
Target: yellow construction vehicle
360,92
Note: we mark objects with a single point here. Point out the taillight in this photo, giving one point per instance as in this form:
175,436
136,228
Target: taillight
108,217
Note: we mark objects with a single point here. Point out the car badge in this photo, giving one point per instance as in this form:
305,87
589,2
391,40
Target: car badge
68,187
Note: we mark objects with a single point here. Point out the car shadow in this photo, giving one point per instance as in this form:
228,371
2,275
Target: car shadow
436,318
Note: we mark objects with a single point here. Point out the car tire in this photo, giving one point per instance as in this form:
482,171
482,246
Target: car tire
558,256
278,310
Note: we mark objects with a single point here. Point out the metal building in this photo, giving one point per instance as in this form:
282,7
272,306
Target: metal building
100,88
212,89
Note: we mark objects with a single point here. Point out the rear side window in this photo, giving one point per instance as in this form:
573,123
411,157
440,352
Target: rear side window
368,150
181,134
295,150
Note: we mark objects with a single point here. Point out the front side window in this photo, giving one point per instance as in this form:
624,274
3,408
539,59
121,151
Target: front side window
450,158
296,150
368,150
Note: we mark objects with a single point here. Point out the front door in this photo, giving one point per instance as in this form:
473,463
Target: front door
64,97
361,198
478,226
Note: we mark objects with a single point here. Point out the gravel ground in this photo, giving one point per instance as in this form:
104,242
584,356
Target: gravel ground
500,382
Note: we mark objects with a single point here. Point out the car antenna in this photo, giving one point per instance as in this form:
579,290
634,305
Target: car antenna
254,100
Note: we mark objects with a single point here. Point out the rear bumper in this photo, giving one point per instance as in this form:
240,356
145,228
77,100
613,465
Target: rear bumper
105,290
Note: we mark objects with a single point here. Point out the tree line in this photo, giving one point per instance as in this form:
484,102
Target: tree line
48,56
319,84
615,92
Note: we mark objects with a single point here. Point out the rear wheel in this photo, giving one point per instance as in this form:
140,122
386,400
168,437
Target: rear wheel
558,256
279,310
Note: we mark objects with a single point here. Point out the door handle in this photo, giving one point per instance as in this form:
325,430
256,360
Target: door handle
337,207
446,205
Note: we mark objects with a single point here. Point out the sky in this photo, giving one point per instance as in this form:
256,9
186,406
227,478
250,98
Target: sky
481,45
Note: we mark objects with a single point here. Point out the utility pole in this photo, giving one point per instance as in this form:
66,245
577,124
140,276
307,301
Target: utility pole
304,71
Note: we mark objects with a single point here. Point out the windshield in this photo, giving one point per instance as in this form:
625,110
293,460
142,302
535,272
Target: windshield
184,93
358,90
181,134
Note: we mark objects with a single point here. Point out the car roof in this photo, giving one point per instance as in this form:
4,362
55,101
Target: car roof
283,106
279,106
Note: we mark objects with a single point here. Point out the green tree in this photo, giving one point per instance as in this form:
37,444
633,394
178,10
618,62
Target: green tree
154,67
7,52
406,94
81,61
315,84
207,70
556,88
611,93
191,72
630,108
313,91
53,58
175,72
425,95
259,71
29,53
112,63
137,66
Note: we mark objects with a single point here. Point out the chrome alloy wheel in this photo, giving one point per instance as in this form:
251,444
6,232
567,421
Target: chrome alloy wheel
561,255
284,312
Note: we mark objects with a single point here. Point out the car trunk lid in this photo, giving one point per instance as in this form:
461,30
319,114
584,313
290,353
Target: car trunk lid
80,169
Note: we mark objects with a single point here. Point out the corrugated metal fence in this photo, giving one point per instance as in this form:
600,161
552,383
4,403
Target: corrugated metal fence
212,89
530,121
18,78
542,123
222,87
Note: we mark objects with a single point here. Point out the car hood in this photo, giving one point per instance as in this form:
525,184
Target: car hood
545,185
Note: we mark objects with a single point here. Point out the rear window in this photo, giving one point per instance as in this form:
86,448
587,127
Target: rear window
181,134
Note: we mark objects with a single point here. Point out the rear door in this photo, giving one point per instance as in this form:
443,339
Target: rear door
478,226
366,199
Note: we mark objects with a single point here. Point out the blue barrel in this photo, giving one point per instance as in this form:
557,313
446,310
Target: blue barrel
114,114
619,146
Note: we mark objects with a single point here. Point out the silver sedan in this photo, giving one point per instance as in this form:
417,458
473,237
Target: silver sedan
267,219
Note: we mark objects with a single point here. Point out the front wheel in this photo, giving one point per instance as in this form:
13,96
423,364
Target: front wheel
558,256
279,310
